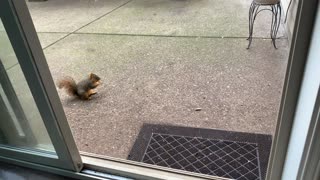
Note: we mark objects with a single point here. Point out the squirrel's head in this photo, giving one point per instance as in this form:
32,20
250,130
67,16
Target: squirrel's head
94,77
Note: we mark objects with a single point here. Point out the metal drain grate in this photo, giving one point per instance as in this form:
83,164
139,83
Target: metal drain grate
222,158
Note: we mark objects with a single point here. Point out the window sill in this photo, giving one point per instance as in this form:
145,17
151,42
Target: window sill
136,170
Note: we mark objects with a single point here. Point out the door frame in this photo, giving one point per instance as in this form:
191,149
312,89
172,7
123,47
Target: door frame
296,64
310,165
24,40
301,40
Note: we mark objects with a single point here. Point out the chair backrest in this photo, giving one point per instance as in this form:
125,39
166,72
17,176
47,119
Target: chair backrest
266,2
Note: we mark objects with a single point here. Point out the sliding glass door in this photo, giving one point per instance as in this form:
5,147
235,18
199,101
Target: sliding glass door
33,128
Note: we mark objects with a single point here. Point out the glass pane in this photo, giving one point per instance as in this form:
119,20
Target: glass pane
179,87
20,122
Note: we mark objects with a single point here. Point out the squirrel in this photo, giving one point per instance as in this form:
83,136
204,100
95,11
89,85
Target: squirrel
83,89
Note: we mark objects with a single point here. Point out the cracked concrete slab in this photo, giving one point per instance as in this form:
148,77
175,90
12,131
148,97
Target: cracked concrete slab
217,18
163,81
47,39
68,16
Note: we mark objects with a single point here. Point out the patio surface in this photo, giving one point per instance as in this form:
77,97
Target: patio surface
160,60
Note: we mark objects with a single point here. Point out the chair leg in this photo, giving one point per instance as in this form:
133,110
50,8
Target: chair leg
276,20
272,21
250,15
253,11
273,24
279,20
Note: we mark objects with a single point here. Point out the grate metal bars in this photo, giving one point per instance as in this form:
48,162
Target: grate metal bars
230,159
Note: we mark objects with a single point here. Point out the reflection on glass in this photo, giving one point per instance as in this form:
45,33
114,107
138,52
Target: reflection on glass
20,122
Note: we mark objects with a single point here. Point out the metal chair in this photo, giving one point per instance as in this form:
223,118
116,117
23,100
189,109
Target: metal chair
276,17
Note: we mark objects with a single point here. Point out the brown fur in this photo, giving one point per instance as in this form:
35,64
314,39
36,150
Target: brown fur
69,84
83,89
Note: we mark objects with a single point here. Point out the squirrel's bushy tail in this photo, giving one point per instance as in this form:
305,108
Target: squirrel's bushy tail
69,85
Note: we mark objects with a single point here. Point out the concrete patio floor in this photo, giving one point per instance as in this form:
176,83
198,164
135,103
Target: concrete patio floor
160,60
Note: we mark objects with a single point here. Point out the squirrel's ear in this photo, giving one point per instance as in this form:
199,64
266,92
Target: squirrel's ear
91,75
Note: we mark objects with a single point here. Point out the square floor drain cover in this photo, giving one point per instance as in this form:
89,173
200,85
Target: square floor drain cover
218,157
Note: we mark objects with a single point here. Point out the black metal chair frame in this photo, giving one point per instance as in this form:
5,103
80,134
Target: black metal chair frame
275,23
